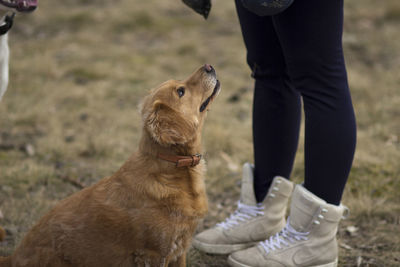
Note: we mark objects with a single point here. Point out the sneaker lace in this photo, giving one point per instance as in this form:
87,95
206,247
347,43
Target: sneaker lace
243,213
286,236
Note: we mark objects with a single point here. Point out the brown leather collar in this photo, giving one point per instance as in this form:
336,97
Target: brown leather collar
182,161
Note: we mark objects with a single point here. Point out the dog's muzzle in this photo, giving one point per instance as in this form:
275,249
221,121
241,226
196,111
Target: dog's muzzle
214,93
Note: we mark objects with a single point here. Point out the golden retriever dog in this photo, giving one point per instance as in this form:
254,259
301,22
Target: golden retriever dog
146,213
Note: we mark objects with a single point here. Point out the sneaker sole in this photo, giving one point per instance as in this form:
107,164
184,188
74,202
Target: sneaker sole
234,263
219,248
332,264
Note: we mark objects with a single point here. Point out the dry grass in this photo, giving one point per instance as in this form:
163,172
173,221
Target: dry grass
80,68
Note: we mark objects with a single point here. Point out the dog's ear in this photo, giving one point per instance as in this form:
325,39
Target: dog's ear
168,126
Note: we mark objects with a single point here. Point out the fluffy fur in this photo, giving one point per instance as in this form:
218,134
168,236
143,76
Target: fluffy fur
145,213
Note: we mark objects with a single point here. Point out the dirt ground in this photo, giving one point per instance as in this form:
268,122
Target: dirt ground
80,68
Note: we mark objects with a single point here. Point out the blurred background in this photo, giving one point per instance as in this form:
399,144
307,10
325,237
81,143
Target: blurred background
79,69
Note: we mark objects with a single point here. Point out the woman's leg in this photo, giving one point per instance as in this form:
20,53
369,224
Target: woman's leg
310,33
276,107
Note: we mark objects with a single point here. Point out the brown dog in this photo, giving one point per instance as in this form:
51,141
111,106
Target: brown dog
144,214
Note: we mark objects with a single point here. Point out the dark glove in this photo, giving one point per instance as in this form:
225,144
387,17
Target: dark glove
202,7
266,7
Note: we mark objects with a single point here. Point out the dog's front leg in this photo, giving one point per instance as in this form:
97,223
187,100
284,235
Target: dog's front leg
180,261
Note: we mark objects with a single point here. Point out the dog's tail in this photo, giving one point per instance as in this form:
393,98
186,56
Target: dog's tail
5,261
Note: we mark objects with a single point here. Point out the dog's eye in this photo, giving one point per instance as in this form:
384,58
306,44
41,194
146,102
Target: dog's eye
181,91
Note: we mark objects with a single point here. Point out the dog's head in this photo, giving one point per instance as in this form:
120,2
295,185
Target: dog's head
174,112
18,5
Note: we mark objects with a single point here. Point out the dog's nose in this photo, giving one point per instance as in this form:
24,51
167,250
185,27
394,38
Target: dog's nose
208,68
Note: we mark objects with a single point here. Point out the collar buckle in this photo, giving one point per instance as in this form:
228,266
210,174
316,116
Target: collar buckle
182,161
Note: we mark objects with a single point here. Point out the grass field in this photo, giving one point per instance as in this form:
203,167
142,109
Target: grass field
79,68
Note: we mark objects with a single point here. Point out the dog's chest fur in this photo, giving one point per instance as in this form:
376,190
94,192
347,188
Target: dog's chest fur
184,204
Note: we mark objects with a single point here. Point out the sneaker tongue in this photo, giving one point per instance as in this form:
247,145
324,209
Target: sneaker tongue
247,195
303,207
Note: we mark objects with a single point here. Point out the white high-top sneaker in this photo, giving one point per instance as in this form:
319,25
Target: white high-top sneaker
251,222
308,239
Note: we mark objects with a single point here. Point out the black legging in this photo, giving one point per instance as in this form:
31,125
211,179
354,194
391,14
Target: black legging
298,55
